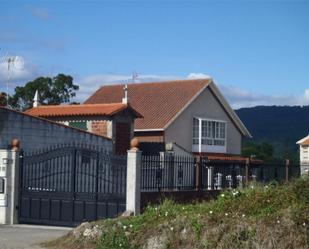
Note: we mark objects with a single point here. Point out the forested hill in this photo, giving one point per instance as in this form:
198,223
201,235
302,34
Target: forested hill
281,126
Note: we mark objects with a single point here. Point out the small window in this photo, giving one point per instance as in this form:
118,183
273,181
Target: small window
2,185
195,131
79,124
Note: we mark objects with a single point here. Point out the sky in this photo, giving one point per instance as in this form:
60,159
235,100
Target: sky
257,51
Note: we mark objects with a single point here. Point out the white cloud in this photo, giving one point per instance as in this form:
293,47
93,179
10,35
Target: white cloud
20,71
306,96
38,12
198,76
241,98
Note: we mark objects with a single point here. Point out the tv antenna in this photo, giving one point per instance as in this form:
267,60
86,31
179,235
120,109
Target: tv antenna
10,60
135,76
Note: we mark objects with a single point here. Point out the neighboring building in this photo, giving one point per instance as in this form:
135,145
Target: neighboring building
304,154
190,113
114,120
39,133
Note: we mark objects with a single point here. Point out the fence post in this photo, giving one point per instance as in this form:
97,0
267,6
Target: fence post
9,176
210,171
287,166
198,163
133,195
247,170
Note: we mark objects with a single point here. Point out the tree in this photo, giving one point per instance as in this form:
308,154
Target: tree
52,91
2,99
263,151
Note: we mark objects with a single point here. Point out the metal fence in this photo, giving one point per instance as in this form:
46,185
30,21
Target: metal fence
167,172
175,173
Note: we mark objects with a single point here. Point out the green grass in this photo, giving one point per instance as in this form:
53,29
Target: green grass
272,216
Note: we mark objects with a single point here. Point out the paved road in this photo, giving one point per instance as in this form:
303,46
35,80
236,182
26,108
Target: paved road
28,237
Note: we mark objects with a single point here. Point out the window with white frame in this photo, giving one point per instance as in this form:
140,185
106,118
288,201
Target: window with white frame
195,131
213,132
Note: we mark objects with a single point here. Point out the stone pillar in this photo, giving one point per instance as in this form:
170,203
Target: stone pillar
133,197
9,179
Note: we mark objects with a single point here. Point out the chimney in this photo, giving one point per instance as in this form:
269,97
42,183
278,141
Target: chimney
125,100
36,100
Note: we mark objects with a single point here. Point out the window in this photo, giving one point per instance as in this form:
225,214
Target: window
79,124
195,131
213,132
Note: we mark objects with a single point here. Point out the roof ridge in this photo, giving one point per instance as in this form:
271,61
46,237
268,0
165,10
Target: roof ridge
77,105
155,82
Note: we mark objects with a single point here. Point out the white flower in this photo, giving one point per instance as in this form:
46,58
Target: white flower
278,221
210,212
226,214
166,213
222,195
243,215
304,224
266,186
252,187
156,208
172,228
120,245
124,227
131,225
183,208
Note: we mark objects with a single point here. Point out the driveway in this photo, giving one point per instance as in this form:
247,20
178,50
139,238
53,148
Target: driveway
28,237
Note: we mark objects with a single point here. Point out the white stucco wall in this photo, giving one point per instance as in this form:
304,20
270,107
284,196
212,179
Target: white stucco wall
304,154
304,158
204,106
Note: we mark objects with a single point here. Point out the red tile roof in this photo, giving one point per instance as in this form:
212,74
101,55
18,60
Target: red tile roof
158,102
81,110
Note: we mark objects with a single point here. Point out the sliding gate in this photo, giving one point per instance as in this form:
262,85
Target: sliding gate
68,185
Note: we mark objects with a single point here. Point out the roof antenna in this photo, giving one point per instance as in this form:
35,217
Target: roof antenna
125,100
10,60
135,76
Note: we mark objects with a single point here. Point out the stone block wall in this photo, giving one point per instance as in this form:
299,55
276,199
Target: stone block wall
36,133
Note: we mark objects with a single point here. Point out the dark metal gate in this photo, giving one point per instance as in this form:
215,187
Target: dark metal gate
68,185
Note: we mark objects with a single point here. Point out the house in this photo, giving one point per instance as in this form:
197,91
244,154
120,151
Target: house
304,154
191,114
113,120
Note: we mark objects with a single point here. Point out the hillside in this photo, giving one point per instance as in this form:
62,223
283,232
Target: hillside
281,126
265,217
